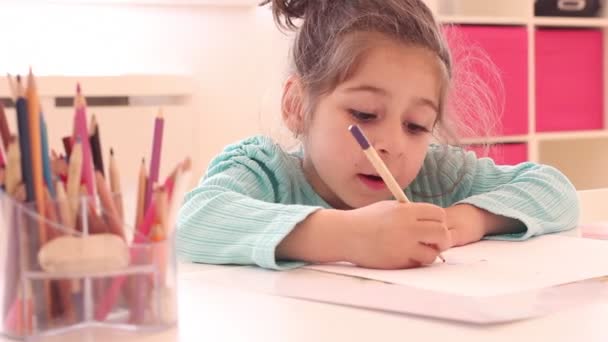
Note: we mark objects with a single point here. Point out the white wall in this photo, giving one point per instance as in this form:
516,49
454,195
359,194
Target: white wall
235,54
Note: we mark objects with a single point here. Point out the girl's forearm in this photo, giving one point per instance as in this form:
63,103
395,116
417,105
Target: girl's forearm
321,237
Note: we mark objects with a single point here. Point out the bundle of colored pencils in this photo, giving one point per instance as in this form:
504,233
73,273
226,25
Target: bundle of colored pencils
59,187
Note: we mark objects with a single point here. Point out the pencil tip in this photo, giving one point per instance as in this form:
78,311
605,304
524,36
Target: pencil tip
112,151
78,89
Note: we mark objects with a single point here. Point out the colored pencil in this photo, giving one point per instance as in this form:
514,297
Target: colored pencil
115,187
157,143
96,150
81,131
5,133
24,140
376,161
13,169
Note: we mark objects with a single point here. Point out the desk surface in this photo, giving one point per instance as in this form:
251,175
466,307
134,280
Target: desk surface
212,312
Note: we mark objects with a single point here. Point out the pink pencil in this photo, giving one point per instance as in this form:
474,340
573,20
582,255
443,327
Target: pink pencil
111,296
157,144
82,131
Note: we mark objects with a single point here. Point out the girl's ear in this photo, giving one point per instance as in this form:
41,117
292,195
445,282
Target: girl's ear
291,105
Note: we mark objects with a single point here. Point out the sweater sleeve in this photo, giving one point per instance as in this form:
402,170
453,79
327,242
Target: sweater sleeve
538,195
232,216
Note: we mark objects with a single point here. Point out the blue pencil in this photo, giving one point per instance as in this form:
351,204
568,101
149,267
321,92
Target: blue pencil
46,161
24,142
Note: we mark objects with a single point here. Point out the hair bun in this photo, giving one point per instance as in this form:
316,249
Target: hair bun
285,12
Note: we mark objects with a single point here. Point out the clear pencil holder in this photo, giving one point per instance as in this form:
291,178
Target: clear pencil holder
86,275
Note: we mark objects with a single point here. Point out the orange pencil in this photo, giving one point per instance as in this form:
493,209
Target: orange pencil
33,107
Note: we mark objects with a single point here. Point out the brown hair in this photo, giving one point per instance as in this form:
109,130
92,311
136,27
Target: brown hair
325,52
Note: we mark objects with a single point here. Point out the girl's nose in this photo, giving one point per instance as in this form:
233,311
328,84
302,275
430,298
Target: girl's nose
390,143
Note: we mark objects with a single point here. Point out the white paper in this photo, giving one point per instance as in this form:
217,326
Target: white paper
491,268
371,294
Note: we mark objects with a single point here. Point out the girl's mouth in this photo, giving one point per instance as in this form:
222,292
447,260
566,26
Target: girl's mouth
372,181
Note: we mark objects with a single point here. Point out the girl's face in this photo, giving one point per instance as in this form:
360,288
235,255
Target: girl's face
394,97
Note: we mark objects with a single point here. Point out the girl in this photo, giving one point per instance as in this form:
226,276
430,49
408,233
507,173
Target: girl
384,65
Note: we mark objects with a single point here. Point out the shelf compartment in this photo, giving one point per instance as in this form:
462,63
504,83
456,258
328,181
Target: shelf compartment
503,154
581,161
569,84
507,48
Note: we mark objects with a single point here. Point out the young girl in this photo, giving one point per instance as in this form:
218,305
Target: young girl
384,65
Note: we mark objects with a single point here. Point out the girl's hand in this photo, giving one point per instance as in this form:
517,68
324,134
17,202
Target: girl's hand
393,235
467,224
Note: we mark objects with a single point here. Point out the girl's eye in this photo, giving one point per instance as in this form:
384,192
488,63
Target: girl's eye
362,116
414,128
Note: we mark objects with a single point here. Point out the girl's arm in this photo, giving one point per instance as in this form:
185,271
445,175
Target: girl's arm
497,201
232,216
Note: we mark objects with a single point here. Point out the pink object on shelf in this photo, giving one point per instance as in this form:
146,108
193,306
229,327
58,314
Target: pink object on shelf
507,47
504,154
598,230
569,79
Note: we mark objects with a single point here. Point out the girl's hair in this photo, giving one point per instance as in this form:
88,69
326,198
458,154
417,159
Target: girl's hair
326,52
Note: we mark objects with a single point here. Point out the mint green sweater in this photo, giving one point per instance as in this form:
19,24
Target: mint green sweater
254,194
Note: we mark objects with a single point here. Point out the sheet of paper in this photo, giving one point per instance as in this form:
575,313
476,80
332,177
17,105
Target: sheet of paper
490,268
371,294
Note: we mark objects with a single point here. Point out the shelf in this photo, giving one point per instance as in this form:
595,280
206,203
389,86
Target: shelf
577,135
511,139
522,21
570,22
227,3
477,20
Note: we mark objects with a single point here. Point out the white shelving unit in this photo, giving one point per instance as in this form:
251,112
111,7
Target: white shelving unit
580,154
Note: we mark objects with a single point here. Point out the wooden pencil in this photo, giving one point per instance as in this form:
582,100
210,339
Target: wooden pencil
157,144
81,131
95,142
37,175
74,177
115,187
24,139
5,133
67,145
13,170
67,218
3,154
46,160
372,155
141,193
110,211
64,305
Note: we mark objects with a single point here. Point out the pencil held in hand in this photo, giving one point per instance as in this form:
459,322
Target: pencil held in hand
376,161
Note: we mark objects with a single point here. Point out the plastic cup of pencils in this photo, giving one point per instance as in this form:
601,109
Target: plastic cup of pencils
75,268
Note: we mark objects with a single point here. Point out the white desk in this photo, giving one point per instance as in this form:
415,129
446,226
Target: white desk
210,312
